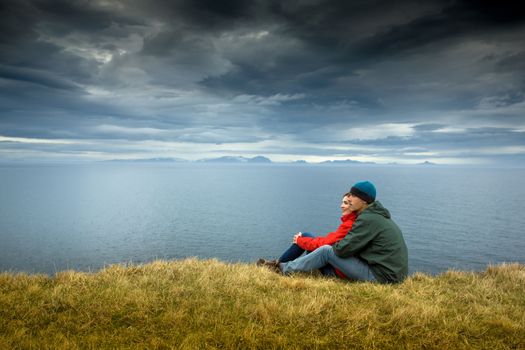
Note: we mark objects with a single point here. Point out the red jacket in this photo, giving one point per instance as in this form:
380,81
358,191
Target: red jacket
312,243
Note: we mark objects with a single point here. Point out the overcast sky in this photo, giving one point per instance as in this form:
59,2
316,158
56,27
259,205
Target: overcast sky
382,81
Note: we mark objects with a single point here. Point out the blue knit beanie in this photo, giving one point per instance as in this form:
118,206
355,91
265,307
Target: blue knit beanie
364,190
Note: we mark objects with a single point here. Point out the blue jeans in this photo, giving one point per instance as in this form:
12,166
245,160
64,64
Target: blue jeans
353,268
294,251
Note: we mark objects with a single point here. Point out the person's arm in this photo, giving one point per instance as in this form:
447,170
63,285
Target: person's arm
359,236
312,243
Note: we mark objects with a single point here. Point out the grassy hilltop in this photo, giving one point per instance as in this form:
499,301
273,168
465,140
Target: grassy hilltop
197,304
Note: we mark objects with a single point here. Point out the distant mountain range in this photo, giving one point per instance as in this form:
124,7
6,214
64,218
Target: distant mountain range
238,159
148,160
225,159
346,161
246,160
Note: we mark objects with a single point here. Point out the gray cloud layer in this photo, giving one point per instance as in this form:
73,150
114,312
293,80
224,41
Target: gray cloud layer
402,81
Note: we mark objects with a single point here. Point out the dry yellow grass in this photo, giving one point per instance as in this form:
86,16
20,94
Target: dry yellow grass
196,304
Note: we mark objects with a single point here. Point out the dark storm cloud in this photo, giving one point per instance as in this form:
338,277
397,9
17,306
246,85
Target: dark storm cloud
331,52
36,77
305,77
451,22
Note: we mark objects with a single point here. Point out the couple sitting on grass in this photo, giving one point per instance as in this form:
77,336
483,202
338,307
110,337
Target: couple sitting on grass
367,246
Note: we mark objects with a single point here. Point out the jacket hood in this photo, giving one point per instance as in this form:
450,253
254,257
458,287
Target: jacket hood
377,208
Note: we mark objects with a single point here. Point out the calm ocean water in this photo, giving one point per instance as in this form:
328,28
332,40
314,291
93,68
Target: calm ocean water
84,217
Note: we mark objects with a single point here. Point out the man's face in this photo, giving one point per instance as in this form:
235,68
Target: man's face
356,204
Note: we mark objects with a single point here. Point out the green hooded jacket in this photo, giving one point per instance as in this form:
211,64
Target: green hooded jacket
376,239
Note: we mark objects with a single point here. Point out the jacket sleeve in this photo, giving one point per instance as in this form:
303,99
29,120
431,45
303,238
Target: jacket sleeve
312,243
359,236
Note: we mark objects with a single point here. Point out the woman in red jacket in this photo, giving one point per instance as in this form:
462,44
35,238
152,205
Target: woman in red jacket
307,242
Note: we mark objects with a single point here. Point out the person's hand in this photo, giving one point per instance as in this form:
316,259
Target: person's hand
297,235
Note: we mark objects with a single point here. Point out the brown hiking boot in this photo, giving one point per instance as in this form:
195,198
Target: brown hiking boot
260,262
271,264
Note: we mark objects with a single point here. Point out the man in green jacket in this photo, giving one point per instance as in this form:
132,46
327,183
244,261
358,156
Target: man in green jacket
373,250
